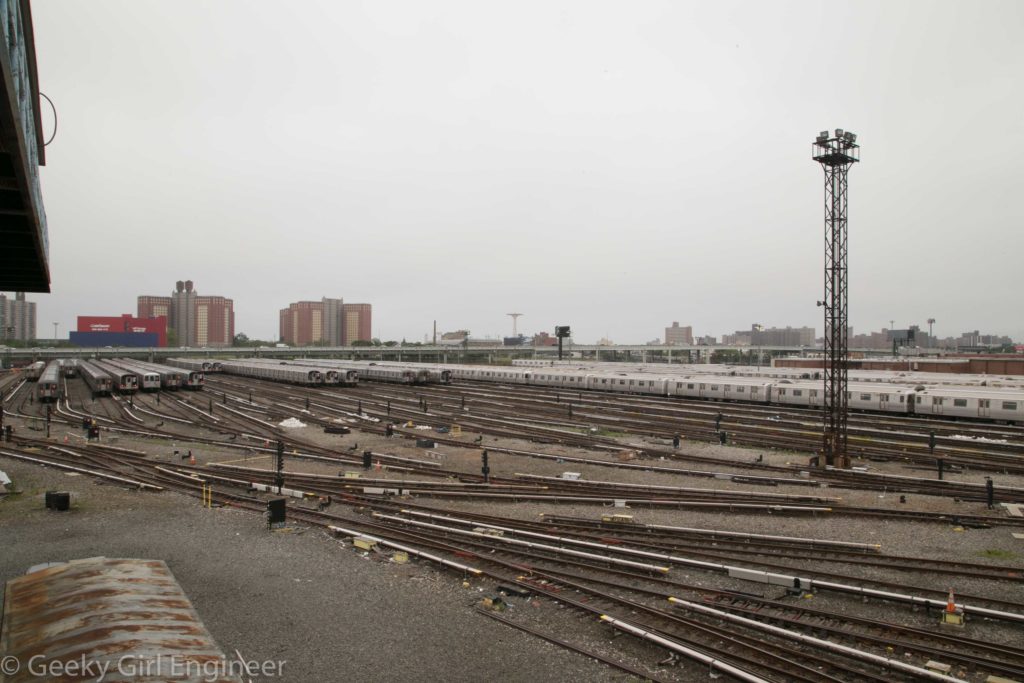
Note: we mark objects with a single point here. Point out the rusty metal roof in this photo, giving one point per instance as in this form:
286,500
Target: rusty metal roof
129,615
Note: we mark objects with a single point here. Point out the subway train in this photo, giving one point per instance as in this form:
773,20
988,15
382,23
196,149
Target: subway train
48,384
972,402
194,364
275,372
34,371
775,373
146,379
332,376
122,381
98,381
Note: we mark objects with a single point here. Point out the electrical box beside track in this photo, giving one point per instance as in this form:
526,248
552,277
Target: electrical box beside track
276,510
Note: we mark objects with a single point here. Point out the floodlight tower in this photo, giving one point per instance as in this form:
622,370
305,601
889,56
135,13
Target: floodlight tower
515,317
836,154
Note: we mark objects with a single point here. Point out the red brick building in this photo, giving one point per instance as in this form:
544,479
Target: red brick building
328,322
195,320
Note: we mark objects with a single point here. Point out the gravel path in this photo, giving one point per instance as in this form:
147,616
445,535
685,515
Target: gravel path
330,613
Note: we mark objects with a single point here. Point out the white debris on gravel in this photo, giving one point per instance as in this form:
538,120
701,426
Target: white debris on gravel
291,423
967,437
4,479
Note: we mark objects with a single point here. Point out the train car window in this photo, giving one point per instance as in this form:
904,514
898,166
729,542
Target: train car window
782,392
884,397
814,392
689,386
918,399
936,400
983,403
739,390
1009,405
641,383
679,385
798,392
714,387
902,399
960,402
865,397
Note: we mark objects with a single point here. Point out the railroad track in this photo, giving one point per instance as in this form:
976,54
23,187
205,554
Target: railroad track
563,579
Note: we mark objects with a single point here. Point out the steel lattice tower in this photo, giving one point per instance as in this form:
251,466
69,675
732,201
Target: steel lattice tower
836,154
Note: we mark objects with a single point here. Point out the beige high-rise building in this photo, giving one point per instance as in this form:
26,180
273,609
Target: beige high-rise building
17,318
357,322
678,336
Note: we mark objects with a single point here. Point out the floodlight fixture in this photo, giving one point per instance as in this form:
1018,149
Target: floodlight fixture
823,134
852,137
839,132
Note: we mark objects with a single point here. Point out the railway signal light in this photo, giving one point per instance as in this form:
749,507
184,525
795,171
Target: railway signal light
485,469
279,476
367,459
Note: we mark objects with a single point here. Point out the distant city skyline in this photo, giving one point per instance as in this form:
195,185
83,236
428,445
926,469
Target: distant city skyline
642,336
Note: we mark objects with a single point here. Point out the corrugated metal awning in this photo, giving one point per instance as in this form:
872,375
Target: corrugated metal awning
121,617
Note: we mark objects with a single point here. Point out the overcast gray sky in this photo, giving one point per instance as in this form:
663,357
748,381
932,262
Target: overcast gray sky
613,166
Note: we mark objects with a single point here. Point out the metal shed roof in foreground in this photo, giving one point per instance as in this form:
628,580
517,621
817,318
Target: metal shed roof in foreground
105,612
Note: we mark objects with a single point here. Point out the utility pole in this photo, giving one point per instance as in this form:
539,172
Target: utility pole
836,154
931,321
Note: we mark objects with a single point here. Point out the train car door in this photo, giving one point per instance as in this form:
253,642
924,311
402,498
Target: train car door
983,407
937,405
883,402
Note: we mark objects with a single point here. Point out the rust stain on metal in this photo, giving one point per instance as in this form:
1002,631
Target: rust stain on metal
101,610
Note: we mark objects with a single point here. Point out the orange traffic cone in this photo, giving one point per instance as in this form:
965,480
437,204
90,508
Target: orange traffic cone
65,438
191,459
950,603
